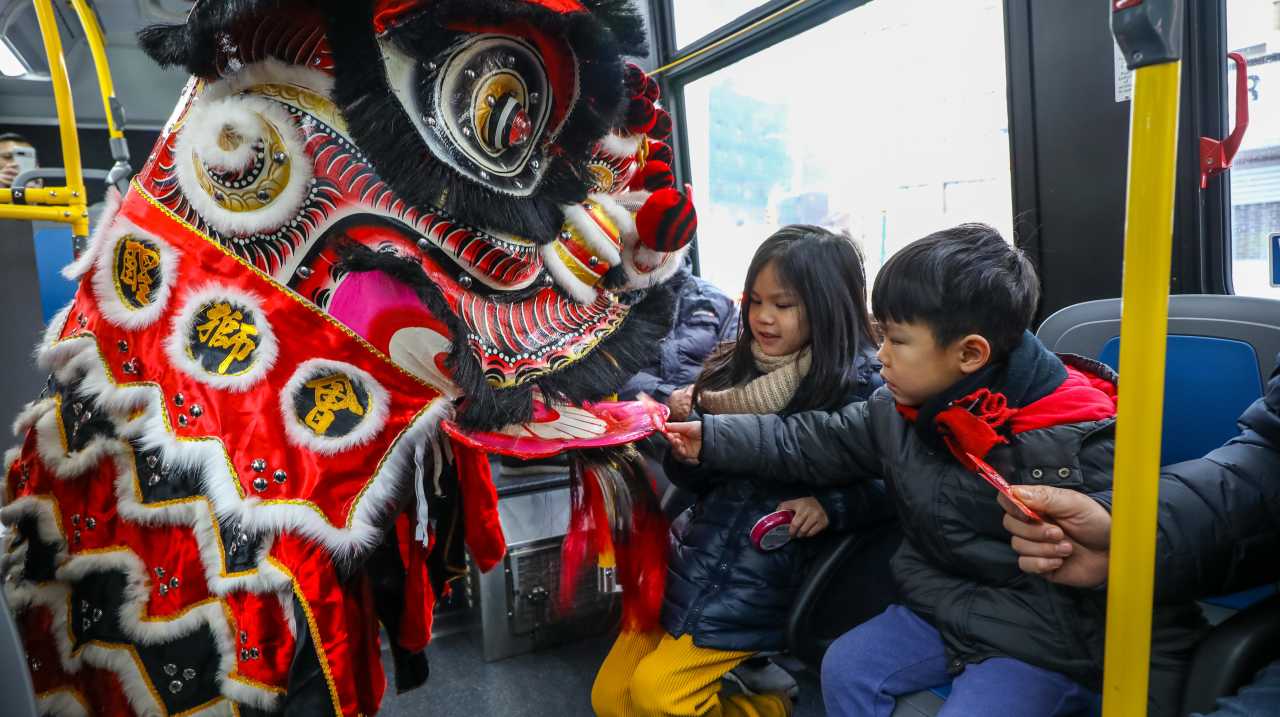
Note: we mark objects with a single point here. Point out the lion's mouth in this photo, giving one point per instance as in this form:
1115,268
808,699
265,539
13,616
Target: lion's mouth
468,287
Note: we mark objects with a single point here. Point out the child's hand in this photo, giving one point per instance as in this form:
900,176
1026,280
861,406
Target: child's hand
686,441
681,403
809,519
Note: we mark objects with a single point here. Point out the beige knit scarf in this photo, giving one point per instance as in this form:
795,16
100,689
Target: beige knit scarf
769,393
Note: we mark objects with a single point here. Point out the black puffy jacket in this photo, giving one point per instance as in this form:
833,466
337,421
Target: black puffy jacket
704,318
1219,521
720,588
955,567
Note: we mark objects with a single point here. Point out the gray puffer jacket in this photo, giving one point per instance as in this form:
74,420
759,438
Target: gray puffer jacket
956,568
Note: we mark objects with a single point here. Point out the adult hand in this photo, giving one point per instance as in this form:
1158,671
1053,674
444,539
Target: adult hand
681,403
686,441
809,519
1071,546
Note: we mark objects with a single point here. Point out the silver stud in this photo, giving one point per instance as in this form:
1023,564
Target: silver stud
171,669
166,469
429,120
243,538
535,163
219,197
82,321
75,519
189,674
259,465
76,536
159,572
35,665
305,272
175,687
123,345
1037,473
432,67
263,195
548,280
280,158
179,399
84,606
152,460
173,582
164,589
484,175
90,523
154,479
244,655
253,653
77,408
1064,472
130,366
85,624
534,97
424,244
465,281
196,410
182,419
466,131
593,261
97,614
491,100
470,74
244,637
259,484
280,476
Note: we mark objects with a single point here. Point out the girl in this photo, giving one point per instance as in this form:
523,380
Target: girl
806,342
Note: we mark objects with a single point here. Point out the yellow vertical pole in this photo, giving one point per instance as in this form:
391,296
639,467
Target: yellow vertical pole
76,208
1143,332
93,34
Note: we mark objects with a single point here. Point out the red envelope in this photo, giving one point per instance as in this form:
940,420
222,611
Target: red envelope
992,476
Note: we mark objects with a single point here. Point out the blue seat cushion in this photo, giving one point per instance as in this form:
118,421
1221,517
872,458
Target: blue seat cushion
1208,383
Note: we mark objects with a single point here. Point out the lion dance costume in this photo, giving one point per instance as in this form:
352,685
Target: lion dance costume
375,241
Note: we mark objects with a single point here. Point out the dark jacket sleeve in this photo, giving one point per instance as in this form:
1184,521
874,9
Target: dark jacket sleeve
816,448
648,383
1219,520
854,507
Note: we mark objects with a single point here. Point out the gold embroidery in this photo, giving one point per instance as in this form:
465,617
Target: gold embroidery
332,393
226,329
137,262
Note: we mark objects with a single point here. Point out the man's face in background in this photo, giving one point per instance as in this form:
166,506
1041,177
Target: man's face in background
16,157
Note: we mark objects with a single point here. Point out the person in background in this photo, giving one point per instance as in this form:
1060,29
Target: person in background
1218,532
16,156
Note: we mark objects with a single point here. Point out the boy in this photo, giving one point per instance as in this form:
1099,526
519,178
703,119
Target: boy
968,390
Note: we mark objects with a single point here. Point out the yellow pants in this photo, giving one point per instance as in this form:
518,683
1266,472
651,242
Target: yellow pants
652,673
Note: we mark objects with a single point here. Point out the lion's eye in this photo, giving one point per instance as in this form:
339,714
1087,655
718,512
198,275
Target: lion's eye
483,106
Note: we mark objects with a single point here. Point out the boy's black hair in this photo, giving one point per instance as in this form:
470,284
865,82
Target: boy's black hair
960,281
824,270
13,137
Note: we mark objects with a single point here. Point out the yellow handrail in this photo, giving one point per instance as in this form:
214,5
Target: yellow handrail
1143,332
93,33
68,202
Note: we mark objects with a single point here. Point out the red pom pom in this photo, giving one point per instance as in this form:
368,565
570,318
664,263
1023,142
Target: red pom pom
667,221
634,80
655,175
651,89
661,128
641,115
661,152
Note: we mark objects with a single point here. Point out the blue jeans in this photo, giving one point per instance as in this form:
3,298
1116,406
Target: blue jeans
1256,699
897,653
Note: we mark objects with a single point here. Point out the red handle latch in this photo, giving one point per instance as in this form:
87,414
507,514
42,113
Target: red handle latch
1215,156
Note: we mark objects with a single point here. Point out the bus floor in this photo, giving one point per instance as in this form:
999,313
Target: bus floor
555,682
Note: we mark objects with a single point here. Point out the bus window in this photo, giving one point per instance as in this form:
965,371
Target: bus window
1253,29
889,121
693,20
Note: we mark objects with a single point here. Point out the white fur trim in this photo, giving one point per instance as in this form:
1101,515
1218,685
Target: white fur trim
666,265
631,201
249,115
62,703
577,290
264,355
618,146
110,303
111,207
30,414
57,323
369,426
621,216
269,71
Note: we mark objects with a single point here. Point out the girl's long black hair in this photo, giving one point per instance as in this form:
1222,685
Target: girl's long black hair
824,269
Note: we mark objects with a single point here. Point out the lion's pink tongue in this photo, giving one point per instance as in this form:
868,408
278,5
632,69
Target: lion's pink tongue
361,298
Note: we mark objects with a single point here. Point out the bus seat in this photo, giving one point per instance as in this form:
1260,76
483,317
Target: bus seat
849,583
53,251
1237,338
